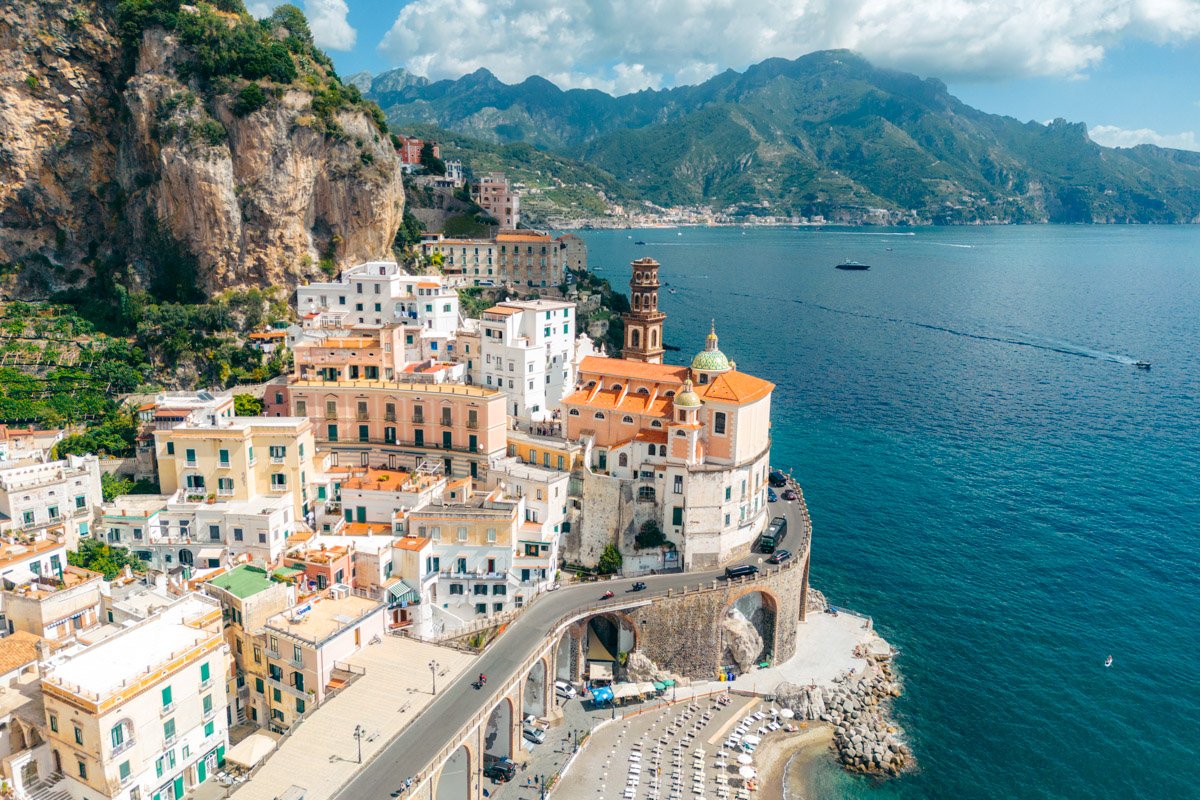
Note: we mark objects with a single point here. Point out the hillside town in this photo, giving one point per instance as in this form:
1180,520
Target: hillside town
419,475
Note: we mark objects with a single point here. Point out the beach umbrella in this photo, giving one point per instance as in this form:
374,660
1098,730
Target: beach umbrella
745,758
747,772
787,713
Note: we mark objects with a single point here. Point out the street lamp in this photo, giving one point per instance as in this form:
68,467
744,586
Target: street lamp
433,668
358,736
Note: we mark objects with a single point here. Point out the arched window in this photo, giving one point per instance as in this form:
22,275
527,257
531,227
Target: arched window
671,393
654,337
628,420
682,416
656,424
679,433
623,460
635,338
616,387
574,412
646,493
590,384
703,377
599,415
185,557
643,390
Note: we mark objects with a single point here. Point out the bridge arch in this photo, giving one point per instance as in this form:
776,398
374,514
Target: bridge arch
536,693
498,731
748,628
454,778
606,636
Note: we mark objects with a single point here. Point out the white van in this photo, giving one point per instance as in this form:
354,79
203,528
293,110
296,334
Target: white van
564,690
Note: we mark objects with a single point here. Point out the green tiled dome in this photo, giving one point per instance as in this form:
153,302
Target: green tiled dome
687,398
710,361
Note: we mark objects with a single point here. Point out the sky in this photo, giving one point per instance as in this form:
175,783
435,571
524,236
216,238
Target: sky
1129,69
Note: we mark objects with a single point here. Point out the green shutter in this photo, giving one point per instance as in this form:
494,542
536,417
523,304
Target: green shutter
204,672
209,727
166,696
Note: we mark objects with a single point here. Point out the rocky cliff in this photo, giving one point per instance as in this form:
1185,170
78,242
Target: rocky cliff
120,159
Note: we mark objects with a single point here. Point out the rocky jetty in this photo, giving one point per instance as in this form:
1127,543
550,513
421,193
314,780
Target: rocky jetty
858,707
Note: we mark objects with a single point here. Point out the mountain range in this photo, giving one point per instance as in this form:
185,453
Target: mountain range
827,134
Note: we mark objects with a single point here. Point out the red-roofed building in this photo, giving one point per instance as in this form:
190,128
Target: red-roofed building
688,446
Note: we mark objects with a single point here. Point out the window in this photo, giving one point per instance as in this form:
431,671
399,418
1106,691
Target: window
207,704
728,492
646,494
677,515
278,481
297,654
80,501
456,588
223,457
78,735
190,456
117,735
462,534
678,484
719,423
158,766
299,706
480,588
123,770
82,769
166,697
169,730
278,452
238,534
209,727
277,695
205,673
214,533
258,684
54,723
491,534
481,608
499,588
170,448
301,408
225,486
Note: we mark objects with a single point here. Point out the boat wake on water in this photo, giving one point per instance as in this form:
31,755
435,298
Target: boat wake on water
1018,339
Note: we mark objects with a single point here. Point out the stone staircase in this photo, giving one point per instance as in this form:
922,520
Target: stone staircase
49,788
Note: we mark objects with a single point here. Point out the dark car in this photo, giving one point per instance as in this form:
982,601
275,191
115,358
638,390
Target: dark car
740,571
779,556
777,478
790,494
771,496
500,771
637,587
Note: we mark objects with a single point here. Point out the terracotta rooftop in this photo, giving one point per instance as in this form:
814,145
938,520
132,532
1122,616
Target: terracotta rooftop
18,649
637,370
735,387
503,311
412,543
367,529
632,403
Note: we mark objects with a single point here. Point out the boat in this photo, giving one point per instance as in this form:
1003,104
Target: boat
672,291
1142,364
1108,661
639,241
853,265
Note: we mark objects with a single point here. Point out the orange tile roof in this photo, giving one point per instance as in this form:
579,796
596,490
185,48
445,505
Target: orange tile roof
503,311
635,370
379,479
606,399
652,436
413,543
522,237
735,387
269,335
366,529
429,285
18,649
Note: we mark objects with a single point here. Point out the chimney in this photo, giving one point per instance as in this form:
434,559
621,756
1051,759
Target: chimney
43,651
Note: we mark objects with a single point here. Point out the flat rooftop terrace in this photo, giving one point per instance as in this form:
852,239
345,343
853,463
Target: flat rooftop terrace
324,617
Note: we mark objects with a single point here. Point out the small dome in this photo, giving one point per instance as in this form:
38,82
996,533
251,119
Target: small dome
687,398
711,359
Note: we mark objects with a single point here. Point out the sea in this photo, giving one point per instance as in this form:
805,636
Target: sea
990,477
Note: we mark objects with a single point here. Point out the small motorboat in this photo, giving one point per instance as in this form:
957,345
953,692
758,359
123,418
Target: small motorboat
853,265
672,291
639,241
1108,661
1142,364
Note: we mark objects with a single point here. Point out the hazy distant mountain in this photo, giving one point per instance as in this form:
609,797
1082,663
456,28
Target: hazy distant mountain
826,133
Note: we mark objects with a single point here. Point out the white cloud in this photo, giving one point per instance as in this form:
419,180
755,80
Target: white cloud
326,19
1112,136
629,44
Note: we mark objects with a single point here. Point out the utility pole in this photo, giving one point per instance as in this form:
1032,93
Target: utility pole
433,668
358,735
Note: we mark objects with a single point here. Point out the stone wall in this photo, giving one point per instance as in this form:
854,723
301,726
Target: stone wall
683,632
606,512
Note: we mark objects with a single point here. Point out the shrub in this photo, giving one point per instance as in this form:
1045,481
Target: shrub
250,99
610,560
247,405
650,535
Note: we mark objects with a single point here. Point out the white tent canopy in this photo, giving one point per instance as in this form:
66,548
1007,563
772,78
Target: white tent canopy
623,690
251,750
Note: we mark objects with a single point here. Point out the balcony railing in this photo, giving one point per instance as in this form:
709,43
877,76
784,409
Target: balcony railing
166,709
122,747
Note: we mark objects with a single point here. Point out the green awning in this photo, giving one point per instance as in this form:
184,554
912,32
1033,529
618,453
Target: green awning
659,686
401,594
287,572
668,683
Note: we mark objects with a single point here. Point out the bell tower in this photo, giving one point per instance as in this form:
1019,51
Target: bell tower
644,322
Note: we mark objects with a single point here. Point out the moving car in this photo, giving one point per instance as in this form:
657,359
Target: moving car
564,690
773,536
637,586
741,570
777,478
790,494
771,496
779,556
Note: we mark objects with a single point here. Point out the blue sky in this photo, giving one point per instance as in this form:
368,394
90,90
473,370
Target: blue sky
1127,68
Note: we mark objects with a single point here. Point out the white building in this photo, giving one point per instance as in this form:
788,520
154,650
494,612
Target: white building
57,494
382,293
528,350
141,715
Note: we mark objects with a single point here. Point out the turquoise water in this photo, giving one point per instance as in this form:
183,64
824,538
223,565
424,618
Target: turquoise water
989,477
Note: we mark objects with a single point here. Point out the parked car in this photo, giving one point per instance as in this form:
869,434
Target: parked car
790,494
564,690
779,556
500,770
535,735
777,478
771,496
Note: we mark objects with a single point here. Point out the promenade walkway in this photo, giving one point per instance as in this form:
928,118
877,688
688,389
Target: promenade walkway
322,754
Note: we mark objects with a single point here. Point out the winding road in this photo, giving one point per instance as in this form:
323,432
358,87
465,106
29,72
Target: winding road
418,744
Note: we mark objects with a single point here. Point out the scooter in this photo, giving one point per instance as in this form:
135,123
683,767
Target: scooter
606,595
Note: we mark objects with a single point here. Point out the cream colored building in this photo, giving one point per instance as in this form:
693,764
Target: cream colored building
238,458
56,495
141,715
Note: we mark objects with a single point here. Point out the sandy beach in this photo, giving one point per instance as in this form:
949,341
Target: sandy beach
779,748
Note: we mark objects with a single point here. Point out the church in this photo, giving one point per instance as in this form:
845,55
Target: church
685,446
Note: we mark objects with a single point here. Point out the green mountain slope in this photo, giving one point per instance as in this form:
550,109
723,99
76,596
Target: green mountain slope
826,134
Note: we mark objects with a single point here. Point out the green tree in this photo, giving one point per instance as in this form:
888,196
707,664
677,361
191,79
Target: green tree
113,485
432,164
249,99
610,560
650,535
247,405
99,557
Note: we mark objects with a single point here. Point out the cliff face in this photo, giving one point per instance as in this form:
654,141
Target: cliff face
150,172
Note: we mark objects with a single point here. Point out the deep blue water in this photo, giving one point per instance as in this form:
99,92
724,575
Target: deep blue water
988,476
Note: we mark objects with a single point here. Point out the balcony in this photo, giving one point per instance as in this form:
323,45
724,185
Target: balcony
418,419
167,709
278,459
206,684
447,422
122,747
